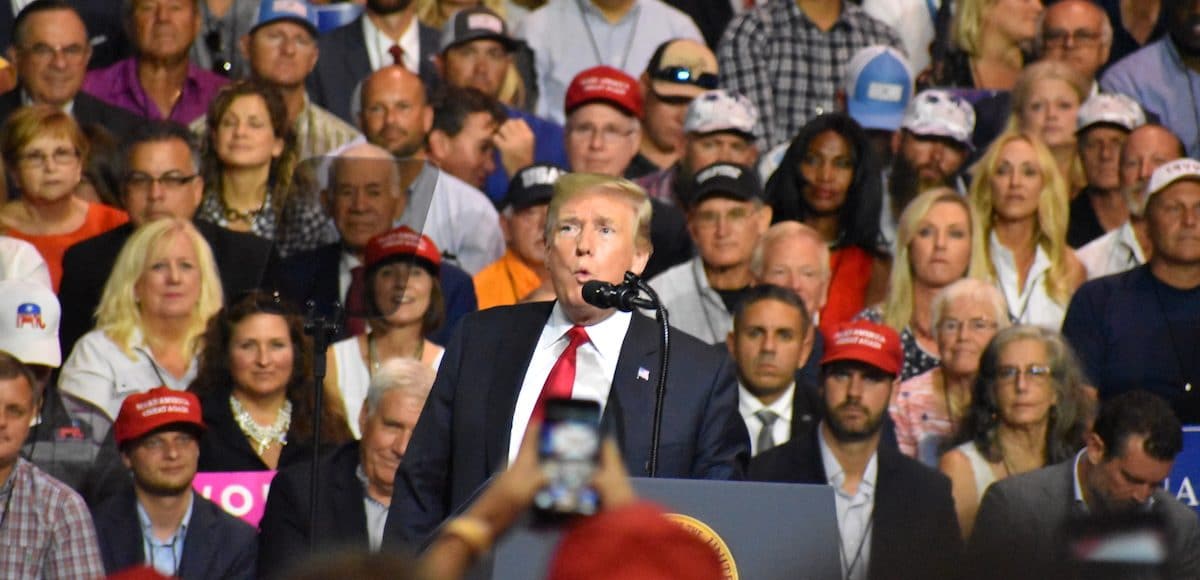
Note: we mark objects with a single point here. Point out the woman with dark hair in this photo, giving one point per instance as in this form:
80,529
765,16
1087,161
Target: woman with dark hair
404,304
253,178
255,386
1030,408
827,181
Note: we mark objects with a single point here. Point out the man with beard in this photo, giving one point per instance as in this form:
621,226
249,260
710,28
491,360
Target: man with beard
1130,451
930,150
895,516
388,33
159,521
1104,122
1128,246
1164,76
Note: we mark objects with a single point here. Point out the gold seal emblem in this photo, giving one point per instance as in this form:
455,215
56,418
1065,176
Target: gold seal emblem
710,537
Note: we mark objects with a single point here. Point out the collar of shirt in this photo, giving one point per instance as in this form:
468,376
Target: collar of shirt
1006,276
1128,238
180,533
606,336
68,108
378,44
836,476
748,404
346,263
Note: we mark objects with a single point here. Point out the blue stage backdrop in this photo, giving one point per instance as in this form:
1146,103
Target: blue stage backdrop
1186,475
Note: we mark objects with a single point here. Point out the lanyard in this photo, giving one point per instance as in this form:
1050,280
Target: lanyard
592,37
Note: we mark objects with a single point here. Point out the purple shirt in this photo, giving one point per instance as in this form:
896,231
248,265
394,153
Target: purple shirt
118,85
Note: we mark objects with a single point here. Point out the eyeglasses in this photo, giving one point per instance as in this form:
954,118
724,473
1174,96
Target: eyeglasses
977,325
1033,373
608,133
43,53
38,159
1058,38
685,76
276,38
139,182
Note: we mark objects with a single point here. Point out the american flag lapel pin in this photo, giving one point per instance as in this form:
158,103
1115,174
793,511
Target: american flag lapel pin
643,374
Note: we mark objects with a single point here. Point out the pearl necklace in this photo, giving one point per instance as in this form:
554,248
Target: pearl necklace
262,437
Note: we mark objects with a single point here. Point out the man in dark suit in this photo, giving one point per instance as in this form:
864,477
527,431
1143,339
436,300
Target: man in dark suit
502,363
766,343
387,33
107,36
895,516
42,31
160,521
364,197
356,479
1019,532
162,179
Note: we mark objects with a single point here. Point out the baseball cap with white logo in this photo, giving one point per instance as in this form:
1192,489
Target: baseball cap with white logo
879,84
29,318
1171,172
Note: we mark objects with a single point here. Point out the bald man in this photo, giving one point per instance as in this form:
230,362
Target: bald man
395,115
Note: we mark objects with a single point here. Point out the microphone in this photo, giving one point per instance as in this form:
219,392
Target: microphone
623,297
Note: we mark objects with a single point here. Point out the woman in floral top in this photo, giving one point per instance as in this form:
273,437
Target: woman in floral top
253,179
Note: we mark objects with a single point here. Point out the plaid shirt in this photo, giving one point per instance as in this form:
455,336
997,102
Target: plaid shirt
45,529
788,67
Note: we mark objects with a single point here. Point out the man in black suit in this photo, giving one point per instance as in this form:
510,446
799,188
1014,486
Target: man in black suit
767,343
387,33
895,516
162,179
160,521
50,52
503,362
356,479
364,198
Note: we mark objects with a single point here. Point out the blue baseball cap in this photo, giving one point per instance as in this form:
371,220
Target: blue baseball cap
879,84
298,11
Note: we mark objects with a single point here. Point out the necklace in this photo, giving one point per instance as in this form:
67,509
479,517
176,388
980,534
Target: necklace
262,437
373,353
248,216
1183,374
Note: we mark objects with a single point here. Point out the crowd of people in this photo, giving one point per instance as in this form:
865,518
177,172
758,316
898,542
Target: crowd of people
943,257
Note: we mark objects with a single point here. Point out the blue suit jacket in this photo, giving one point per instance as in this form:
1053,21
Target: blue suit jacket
463,433
344,63
217,545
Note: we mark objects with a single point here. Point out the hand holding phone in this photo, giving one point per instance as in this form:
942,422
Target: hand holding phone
568,452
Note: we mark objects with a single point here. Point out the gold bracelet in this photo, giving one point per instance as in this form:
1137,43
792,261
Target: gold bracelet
472,531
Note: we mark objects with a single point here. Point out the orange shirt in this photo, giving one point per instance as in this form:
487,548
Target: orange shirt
100,218
505,281
851,274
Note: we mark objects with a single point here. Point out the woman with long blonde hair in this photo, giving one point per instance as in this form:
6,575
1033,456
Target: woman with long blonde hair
1020,203
992,40
1045,104
934,248
152,314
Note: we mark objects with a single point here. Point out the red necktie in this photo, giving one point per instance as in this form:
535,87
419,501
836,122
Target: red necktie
561,380
356,306
397,54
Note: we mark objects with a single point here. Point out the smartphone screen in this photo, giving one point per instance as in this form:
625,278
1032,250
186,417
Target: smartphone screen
568,451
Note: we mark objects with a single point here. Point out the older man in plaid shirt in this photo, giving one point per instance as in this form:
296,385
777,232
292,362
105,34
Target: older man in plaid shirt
790,59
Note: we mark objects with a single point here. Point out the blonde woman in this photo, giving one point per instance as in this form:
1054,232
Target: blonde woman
934,239
1046,101
162,291
991,39
1020,203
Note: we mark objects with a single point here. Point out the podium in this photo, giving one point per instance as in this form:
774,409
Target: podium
771,530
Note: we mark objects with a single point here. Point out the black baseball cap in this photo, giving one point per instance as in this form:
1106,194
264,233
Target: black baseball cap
532,186
473,24
727,180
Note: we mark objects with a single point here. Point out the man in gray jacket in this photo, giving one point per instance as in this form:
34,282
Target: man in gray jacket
1021,531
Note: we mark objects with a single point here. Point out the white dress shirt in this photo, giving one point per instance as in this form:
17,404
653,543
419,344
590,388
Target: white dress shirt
346,265
595,365
748,405
1112,253
855,513
378,44
1030,304
461,220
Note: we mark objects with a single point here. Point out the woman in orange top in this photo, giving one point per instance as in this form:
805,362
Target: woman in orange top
45,151
826,180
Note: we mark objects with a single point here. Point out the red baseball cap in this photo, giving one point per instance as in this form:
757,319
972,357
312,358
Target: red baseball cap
866,342
142,413
402,242
605,84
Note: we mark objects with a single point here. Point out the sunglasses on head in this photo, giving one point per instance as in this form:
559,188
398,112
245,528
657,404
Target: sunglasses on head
684,75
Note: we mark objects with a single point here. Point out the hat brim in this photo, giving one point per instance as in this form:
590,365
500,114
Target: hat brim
871,358
509,44
622,107
308,25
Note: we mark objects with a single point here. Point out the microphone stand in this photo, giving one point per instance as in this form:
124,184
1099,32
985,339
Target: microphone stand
664,355
323,332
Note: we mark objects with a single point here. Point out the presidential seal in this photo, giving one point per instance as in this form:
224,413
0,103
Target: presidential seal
710,537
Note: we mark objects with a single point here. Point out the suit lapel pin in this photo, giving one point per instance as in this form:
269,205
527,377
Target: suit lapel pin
643,374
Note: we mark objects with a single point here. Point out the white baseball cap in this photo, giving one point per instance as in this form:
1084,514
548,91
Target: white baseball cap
20,260
1111,109
938,113
1169,173
721,110
29,318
